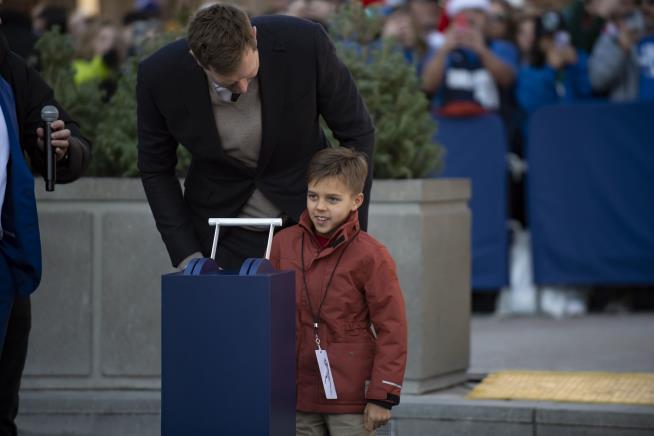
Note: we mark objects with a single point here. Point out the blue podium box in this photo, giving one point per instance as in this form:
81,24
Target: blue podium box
228,351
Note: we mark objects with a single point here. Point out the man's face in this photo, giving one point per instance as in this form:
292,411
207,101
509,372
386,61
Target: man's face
498,21
238,81
329,203
425,13
476,18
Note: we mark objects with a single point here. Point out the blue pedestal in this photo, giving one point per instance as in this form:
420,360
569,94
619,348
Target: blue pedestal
228,353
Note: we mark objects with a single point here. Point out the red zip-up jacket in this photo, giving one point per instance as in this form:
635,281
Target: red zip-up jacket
364,291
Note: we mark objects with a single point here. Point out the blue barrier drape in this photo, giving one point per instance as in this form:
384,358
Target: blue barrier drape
590,193
476,149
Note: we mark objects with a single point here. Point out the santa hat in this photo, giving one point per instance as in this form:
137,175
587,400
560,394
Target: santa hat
455,6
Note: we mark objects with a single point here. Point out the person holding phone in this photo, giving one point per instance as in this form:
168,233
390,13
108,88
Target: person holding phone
468,71
23,94
621,65
551,69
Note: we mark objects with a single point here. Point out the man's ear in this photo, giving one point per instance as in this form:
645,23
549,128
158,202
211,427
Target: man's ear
358,201
254,31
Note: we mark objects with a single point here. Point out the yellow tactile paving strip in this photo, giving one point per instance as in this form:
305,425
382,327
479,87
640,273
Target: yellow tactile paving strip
576,387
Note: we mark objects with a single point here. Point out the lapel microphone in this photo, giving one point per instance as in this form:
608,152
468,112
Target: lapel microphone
49,114
234,97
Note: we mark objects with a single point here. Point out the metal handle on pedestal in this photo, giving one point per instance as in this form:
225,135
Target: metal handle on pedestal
272,222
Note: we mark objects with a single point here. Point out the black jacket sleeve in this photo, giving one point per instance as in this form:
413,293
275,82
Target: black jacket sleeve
32,94
157,158
343,109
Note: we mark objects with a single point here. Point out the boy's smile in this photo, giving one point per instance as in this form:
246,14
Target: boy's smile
329,203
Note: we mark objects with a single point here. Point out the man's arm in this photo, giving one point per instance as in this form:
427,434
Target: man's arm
434,71
157,158
76,151
342,107
432,75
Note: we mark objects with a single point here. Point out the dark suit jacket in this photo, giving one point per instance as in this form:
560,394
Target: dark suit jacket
300,78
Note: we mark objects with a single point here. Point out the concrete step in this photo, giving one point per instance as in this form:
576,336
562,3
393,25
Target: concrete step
446,413
449,413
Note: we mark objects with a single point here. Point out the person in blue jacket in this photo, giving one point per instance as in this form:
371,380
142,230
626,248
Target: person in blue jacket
22,96
551,69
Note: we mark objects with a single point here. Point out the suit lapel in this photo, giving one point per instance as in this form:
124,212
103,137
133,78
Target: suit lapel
198,106
272,87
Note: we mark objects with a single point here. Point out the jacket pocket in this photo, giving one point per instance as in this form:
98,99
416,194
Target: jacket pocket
351,365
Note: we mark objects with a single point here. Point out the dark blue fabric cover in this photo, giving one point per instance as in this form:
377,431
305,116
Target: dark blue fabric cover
20,246
476,149
590,193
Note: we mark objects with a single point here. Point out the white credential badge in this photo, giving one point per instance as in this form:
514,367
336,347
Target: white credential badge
326,374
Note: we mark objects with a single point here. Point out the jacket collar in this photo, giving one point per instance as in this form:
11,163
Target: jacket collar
343,234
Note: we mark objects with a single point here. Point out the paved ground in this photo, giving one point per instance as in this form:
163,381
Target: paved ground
591,343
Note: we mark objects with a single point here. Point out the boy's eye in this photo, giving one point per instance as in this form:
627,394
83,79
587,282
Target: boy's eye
333,199
312,196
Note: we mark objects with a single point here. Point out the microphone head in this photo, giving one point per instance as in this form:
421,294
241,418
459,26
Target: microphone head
49,114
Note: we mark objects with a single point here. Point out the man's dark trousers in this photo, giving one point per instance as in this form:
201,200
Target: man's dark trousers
12,362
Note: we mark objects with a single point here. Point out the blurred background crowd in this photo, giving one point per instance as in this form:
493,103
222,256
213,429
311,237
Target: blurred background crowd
511,56
471,57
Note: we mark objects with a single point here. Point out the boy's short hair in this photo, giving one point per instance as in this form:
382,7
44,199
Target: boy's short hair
218,36
349,166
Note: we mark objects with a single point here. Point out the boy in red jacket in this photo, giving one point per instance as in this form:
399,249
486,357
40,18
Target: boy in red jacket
351,331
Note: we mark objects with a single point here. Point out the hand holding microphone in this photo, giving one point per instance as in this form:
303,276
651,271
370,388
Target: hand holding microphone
54,138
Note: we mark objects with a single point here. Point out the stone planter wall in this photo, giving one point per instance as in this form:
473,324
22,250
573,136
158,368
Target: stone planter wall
426,226
96,316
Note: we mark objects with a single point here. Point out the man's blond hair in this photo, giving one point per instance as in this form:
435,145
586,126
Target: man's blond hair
218,36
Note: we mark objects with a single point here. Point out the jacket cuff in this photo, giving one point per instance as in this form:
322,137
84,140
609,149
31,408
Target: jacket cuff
381,403
375,395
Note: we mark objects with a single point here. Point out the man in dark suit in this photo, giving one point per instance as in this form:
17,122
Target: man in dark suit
244,97
22,96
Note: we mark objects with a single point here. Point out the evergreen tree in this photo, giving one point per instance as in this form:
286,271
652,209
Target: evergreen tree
404,146
115,152
110,126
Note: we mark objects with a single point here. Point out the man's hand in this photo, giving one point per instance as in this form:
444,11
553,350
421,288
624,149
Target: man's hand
451,41
375,416
60,136
559,57
471,39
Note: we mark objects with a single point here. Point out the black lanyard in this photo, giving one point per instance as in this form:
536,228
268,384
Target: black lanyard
316,316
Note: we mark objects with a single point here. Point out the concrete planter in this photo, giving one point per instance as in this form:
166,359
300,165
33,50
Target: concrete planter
426,226
97,315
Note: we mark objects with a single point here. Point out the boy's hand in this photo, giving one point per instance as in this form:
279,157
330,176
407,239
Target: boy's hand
375,416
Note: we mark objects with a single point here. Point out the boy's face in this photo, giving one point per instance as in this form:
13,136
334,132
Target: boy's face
329,203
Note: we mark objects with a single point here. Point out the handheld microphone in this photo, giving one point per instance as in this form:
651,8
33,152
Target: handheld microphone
49,114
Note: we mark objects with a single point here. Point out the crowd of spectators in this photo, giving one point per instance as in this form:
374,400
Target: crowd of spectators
472,56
